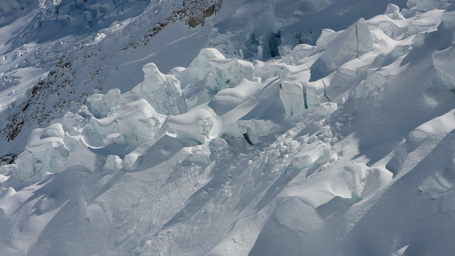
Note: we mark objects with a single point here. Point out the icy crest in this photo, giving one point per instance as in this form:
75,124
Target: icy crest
70,143
198,125
393,11
209,73
49,150
350,44
161,91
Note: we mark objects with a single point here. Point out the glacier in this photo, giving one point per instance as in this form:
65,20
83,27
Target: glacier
339,142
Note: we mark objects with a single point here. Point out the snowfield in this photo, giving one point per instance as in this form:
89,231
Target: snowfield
263,142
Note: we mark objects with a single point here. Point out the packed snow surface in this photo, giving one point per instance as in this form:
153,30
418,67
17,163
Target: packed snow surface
344,147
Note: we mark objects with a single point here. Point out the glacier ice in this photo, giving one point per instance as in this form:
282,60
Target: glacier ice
328,152
393,11
101,105
350,44
218,92
372,86
69,143
197,125
139,122
113,163
161,91
293,96
209,73
50,150
251,128
311,155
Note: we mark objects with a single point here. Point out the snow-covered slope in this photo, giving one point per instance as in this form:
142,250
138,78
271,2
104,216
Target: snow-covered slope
67,50
344,147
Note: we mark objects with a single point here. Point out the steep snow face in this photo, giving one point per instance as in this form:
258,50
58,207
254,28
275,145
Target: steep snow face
345,147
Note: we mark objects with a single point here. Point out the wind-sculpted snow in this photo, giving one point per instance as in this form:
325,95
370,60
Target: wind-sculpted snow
345,147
